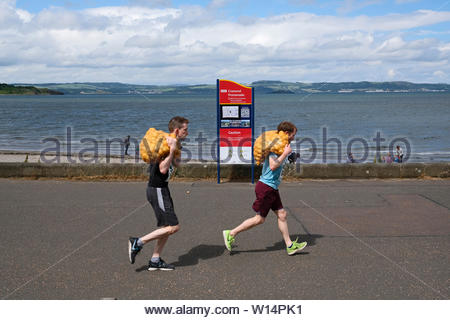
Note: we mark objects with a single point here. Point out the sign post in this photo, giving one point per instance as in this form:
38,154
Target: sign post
235,124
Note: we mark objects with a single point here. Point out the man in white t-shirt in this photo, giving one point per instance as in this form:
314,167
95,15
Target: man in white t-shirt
399,154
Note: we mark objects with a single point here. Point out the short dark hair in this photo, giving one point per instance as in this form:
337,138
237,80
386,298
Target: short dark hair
177,123
287,126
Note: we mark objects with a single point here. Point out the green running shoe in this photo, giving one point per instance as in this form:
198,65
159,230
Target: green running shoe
228,239
296,247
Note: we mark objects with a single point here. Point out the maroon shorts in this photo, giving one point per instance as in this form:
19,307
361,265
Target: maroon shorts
266,198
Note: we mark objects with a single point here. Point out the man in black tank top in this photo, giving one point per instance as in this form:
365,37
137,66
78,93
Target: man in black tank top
158,195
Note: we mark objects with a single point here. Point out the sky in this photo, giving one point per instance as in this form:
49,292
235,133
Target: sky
160,42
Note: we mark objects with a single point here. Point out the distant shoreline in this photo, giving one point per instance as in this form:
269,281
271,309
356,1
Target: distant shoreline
261,87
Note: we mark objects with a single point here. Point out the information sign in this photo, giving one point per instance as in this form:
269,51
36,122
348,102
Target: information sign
235,127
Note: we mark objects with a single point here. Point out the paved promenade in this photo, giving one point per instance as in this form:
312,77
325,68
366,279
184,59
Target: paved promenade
368,239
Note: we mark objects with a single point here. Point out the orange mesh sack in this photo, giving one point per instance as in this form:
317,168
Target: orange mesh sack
154,145
269,141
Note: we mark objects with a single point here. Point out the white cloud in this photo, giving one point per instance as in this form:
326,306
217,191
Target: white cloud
153,40
191,45
439,74
392,44
391,73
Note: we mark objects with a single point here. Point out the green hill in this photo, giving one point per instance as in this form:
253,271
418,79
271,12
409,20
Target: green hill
26,90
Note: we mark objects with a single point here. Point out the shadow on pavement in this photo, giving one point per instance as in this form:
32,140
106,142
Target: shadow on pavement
204,251
143,268
200,252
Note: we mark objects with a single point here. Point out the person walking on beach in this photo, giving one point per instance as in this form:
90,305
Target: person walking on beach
268,197
399,154
158,195
350,158
388,158
127,144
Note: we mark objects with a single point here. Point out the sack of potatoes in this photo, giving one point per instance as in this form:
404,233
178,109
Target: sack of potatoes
154,147
267,142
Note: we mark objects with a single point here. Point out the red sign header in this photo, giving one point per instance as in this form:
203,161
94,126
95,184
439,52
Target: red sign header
234,93
236,137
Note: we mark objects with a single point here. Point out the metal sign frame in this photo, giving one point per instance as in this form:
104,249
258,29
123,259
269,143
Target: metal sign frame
234,103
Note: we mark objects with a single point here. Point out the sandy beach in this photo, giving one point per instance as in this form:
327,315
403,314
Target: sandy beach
36,157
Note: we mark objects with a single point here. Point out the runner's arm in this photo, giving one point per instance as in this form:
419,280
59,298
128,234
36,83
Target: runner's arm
165,164
274,163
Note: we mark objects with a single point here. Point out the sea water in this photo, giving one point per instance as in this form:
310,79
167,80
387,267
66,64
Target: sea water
330,125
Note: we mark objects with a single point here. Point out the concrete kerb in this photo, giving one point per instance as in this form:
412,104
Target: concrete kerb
388,171
27,170
375,170
203,170
339,171
310,170
363,170
230,172
439,170
412,170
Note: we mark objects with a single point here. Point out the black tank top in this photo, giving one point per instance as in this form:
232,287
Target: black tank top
156,178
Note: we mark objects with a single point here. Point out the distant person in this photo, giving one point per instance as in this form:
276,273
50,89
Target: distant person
350,158
268,197
127,144
137,151
388,158
158,195
399,154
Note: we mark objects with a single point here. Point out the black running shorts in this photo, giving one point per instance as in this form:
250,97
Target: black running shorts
162,204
